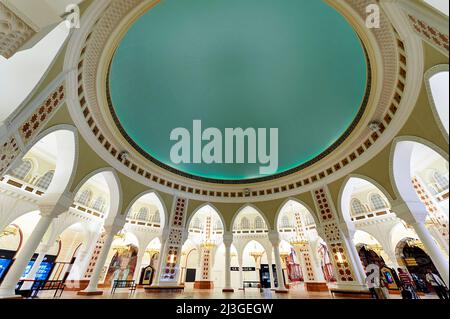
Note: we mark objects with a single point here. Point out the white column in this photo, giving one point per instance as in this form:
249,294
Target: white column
274,238
7,288
276,250
241,274
439,238
227,240
318,273
93,282
355,260
138,268
161,260
301,260
41,254
433,250
270,262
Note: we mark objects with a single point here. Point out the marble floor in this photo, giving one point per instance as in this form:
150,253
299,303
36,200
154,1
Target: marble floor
190,293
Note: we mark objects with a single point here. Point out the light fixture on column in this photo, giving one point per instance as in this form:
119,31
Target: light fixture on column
151,251
120,249
284,256
376,248
256,253
9,231
415,243
119,235
172,259
299,242
208,244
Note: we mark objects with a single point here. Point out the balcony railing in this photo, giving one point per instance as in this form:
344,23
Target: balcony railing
371,214
23,185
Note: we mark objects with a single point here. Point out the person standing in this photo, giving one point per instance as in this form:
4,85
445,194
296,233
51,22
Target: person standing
384,286
438,285
370,282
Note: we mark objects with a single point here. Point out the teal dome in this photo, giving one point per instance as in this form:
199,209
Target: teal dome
293,65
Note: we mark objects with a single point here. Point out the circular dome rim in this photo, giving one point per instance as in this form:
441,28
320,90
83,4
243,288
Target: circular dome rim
243,181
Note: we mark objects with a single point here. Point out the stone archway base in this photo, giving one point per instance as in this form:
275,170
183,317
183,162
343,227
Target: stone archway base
203,285
316,286
227,290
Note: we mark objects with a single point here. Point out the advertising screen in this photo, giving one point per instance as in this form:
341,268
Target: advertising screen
44,270
28,269
4,264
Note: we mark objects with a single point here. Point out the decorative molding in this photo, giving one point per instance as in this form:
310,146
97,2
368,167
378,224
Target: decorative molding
338,246
8,152
172,253
14,32
429,33
41,115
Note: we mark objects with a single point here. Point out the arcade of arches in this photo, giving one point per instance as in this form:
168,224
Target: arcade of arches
87,199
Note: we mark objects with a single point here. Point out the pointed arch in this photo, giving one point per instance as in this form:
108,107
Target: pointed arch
66,159
114,188
162,209
436,82
344,198
207,204
299,202
249,206
401,153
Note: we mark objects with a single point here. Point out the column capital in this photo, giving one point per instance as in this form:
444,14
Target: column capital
55,204
113,228
184,235
411,212
274,237
227,238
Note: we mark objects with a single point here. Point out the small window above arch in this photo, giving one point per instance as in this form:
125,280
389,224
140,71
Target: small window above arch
441,181
84,197
99,204
45,180
23,170
357,207
285,223
377,202
244,224
259,223
142,214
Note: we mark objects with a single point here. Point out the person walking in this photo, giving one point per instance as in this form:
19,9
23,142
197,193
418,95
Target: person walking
408,288
438,285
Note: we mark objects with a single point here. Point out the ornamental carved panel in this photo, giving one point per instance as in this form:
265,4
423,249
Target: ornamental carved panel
41,115
429,33
341,262
14,32
8,152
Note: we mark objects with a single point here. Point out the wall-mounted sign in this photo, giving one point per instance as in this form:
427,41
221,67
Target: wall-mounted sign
243,268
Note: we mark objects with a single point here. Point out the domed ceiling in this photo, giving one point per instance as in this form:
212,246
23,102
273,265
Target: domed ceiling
293,65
